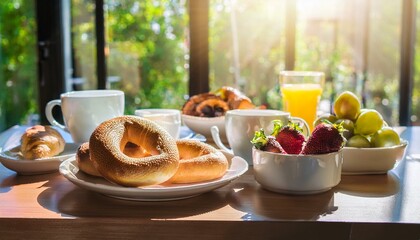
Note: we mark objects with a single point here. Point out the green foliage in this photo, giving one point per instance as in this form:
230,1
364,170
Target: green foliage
147,50
18,74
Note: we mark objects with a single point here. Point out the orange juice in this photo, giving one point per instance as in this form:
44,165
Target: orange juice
301,100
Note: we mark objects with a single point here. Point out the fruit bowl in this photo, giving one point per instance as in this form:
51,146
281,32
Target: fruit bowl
202,125
297,174
372,160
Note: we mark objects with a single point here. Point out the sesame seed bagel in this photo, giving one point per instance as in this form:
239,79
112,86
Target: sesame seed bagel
107,143
198,162
84,162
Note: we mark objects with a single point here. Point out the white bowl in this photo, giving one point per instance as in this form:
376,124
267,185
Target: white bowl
202,125
297,174
372,160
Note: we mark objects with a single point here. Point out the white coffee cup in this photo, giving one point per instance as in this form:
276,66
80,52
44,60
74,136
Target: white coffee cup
241,125
169,119
83,111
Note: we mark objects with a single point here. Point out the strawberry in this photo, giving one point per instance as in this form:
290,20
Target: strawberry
325,138
273,146
289,136
266,143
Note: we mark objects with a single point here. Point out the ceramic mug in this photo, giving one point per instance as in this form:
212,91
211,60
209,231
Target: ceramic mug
241,125
169,119
83,111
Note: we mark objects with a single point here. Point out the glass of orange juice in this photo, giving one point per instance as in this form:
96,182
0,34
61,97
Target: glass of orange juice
301,92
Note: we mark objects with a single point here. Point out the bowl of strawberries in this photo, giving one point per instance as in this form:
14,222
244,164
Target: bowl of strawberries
286,161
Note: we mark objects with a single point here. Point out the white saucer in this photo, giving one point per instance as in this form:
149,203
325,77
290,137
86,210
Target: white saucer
13,160
70,170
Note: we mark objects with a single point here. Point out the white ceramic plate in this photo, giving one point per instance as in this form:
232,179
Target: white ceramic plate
70,170
357,161
13,160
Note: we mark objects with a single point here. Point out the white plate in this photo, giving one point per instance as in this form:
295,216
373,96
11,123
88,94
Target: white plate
70,170
13,160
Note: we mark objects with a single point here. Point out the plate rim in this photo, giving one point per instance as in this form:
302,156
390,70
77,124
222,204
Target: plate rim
60,157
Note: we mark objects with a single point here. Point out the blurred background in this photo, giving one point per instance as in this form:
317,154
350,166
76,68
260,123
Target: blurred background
357,43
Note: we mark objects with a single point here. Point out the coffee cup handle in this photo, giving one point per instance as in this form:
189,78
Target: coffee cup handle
216,138
306,129
48,113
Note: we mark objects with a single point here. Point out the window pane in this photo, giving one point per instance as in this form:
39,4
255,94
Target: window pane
355,42
146,50
382,85
84,45
247,47
357,45
18,74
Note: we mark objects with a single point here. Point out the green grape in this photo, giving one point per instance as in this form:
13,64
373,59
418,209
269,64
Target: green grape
347,106
331,118
385,137
368,122
362,110
358,141
348,126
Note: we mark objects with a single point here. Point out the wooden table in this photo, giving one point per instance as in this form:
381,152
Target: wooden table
360,207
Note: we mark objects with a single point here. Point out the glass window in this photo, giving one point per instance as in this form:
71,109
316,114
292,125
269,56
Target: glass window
356,43
383,66
147,50
246,40
83,45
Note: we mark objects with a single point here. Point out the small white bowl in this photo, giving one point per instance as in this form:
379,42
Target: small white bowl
372,160
297,174
202,125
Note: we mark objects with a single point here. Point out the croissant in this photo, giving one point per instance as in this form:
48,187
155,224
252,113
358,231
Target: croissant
213,107
218,103
235,98
40,142
190,107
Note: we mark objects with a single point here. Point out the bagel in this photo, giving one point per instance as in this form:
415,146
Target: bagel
198,162
159,159
84,162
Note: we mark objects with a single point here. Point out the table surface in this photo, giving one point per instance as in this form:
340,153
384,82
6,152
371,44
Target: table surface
387,205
